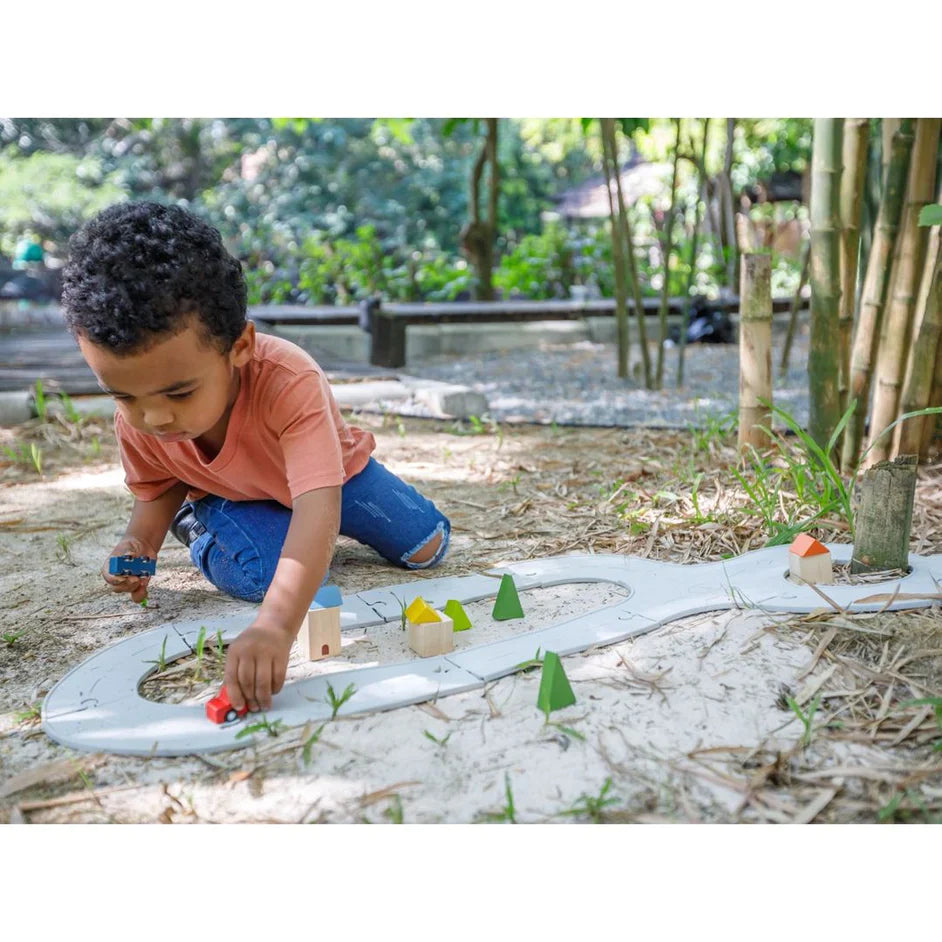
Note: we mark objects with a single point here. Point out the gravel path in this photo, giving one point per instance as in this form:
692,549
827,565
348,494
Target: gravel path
575,384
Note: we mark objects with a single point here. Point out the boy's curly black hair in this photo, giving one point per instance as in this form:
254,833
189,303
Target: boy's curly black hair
138,270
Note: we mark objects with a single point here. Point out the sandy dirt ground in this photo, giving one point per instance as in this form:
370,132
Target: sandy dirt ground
691,722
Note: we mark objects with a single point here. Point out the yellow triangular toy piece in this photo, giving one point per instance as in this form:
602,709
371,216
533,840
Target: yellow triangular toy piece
420,612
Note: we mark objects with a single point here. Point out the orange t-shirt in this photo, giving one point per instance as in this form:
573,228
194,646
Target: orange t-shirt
285,436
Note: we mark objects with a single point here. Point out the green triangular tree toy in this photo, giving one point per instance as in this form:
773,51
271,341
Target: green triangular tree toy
507,605
555,692
457,614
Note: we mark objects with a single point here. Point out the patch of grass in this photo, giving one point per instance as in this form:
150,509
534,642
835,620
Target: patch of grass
806,718
161,662
72,414
200,651
273,728
40,403
508,812
27,455
535,661
64,548
32,714
309,744
394,811
593,806
335,702
435,739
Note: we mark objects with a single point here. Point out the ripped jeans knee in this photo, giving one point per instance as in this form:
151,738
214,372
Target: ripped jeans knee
444,531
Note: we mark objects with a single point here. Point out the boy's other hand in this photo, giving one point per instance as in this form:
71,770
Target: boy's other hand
256,664
136,585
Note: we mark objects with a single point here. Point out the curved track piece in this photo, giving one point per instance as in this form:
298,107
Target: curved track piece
97,705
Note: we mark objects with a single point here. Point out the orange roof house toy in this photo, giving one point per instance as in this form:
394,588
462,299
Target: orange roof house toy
810,561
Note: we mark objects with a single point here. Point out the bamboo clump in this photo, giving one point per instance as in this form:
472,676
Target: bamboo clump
874,291
909,435
895,340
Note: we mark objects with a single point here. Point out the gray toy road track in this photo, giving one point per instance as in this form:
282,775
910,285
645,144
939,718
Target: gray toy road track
97,706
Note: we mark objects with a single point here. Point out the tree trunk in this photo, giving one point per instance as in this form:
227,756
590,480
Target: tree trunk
884,516
908,436
874,292
618,261
477,236
667,246
755,351
891,360
856,138
729,211
693,260
824,410
796,306
631,263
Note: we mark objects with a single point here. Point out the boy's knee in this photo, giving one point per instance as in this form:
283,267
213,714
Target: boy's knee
430,552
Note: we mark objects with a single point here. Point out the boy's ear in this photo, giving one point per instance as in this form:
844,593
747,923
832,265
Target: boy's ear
244,347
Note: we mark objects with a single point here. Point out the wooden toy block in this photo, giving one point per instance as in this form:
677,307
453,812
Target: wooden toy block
507,604
320,634
457,614
810,561
220,709
419,611
555,691
429,638
132,566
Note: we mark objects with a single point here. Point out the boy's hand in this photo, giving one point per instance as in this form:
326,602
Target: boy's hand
136,585
256,664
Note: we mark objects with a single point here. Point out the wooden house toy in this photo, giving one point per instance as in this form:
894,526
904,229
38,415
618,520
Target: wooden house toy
320,634
810,561
429,631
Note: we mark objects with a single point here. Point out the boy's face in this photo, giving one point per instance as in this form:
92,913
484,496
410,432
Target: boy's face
178,389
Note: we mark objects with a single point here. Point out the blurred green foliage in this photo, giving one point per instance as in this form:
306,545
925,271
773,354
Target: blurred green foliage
331,211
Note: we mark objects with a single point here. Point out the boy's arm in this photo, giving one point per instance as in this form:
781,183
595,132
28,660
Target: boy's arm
144,535
258,659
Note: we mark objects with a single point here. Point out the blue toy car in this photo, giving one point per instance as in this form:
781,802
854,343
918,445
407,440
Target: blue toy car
132,566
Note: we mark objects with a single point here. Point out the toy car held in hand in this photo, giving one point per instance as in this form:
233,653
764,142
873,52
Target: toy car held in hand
220,709
132,566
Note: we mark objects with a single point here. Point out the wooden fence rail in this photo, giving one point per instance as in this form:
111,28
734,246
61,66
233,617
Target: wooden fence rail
386,323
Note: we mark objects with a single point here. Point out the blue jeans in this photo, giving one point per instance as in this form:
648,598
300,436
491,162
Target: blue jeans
242,544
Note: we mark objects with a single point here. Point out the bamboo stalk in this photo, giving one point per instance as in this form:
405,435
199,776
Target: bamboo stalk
891,358
908,436
693,261
755,351
631,261
854,159
618,260
668,245
793,314
888,127
931,422
824,407
874,291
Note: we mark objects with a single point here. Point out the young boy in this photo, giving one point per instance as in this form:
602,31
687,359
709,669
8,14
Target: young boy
229,439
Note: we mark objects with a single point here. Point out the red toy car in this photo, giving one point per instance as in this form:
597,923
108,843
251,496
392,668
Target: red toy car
220,710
